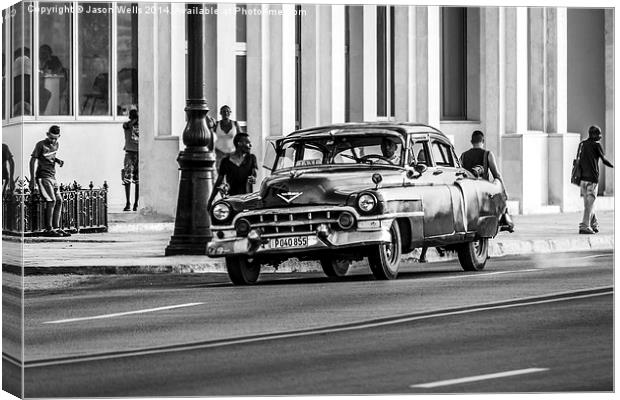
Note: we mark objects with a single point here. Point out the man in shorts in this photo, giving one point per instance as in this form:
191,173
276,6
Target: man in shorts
44,159
130,163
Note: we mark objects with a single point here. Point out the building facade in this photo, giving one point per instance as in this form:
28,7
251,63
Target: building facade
533,79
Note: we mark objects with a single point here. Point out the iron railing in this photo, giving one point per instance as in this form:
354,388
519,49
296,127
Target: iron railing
83,210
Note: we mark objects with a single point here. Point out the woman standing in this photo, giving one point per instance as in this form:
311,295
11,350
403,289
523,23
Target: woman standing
239,168
225,131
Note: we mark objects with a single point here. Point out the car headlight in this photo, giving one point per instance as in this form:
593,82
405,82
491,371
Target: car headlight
221,211
366,202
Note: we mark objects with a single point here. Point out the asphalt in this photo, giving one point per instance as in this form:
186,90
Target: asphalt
138,248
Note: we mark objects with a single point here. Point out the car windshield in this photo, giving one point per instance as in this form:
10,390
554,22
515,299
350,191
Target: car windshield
340,150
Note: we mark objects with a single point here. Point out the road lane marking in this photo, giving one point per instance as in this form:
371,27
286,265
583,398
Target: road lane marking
148,310
353,326
596,256
478,378
481,275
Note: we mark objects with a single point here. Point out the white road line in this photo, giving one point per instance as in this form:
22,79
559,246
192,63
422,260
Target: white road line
596,256
478,378
482,275
62,321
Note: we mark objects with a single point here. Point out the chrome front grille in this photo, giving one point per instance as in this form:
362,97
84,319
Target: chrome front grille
293,222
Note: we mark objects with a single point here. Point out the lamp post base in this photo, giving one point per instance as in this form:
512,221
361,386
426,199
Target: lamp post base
192,226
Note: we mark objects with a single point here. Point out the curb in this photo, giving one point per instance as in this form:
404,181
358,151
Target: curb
209,265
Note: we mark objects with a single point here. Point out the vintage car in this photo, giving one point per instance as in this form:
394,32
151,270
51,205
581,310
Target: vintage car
343,192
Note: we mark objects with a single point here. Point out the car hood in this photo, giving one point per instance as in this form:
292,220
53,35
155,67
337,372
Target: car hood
321,188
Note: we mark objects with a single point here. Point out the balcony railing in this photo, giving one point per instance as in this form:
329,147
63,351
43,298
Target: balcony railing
83,210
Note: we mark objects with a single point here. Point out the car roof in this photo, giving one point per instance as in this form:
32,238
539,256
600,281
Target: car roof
401,127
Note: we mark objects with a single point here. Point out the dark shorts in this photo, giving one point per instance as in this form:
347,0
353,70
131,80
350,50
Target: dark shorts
130,168
48,188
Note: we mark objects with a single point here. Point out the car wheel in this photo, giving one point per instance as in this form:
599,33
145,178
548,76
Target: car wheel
473,255
335,268
241,270
384,259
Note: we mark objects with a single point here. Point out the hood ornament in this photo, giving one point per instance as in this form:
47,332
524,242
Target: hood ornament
289,196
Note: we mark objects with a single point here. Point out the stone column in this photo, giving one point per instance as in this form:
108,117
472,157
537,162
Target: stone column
331,63
161,62
609,100
282,69
322,65
524,152
310,66
363,63
428,66
537,78
492,104
226,65
562,145
258,84
405,76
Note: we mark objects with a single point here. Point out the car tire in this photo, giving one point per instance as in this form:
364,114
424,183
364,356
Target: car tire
334,267
473,255
241,270
384,259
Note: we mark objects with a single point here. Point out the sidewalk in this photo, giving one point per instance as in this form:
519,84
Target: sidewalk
139,248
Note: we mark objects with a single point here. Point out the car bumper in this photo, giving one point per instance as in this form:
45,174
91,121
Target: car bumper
334,241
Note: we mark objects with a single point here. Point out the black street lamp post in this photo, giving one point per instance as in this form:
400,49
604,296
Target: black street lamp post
192,227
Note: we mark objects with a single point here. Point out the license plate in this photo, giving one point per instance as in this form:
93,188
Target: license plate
289,242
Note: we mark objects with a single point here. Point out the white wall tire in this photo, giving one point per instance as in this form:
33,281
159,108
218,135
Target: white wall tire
241,270
473,255
384,259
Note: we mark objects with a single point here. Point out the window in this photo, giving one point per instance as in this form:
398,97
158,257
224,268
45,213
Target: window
73,57
55,62
453,63
94,31
385,61
21,66
127,61
443,155
420,152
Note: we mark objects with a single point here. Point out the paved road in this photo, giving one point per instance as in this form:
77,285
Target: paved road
525,324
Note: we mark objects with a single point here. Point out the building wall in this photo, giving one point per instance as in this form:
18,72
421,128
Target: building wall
92,151
504,47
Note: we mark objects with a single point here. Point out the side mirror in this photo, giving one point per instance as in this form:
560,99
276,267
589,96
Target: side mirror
417,171
420,168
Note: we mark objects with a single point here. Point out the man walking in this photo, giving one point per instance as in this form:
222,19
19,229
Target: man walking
44,159
130,164
591,152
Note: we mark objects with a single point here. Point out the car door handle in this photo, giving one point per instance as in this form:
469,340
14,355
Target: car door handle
438,172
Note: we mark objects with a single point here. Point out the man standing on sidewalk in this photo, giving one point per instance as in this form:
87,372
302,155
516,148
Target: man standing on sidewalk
130,163
591,152
44,158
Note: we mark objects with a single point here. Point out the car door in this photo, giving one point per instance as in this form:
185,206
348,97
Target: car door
435,193
448,172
